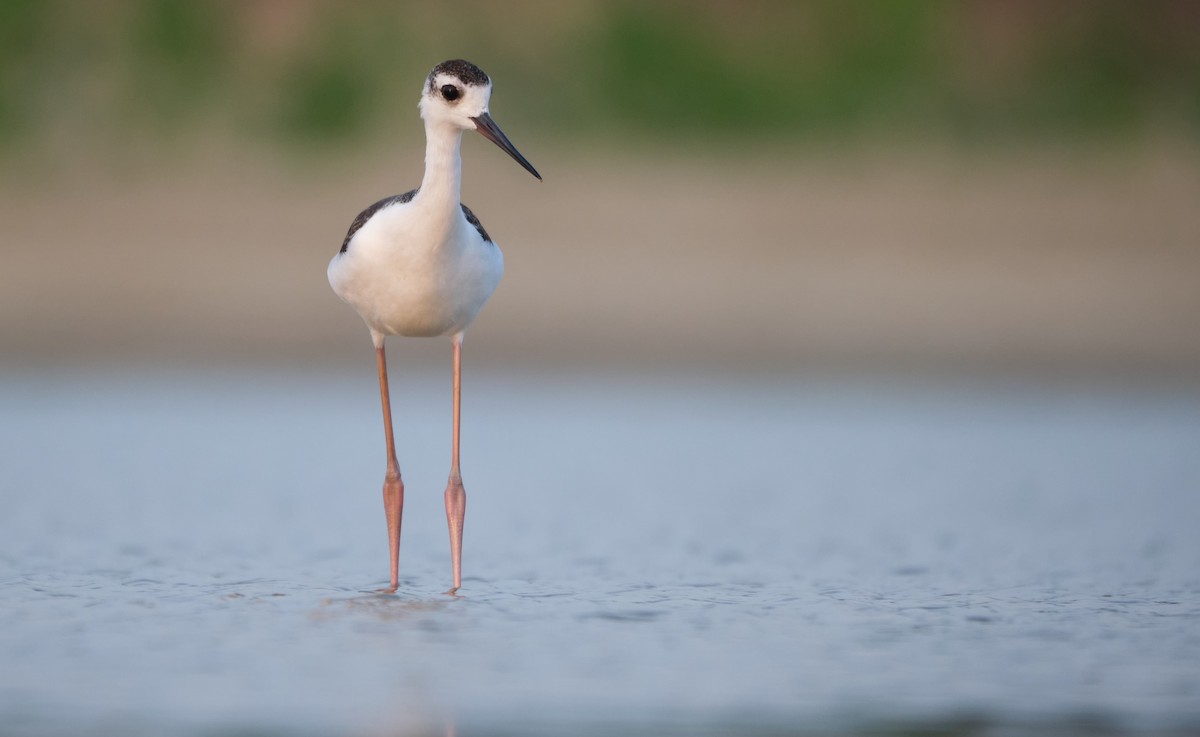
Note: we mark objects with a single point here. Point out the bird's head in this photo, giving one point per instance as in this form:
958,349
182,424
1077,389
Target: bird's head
457,93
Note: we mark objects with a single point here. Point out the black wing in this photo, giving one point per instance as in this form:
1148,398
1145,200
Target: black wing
368,213
475,222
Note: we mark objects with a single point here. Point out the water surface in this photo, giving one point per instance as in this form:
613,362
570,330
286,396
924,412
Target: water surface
192,554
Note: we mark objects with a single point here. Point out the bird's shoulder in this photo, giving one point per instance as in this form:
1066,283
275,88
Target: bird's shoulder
474,221
362,217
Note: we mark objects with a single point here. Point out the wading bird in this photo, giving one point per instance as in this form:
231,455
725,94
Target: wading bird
420,264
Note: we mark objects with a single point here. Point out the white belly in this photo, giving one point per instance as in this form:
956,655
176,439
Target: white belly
414,281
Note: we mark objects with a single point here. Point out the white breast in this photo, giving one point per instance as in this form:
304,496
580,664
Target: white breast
413,271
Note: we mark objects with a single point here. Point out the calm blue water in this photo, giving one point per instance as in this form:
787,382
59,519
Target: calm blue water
187,554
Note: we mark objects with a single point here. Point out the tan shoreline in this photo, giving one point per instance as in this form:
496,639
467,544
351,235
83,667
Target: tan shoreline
1022,262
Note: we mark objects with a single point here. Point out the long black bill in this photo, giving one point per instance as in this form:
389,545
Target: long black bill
485,125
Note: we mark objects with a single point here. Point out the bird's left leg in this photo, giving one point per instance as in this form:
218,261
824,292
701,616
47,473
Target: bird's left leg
393,486
456,496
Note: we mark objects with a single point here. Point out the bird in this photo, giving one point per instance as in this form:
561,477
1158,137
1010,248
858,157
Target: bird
421,264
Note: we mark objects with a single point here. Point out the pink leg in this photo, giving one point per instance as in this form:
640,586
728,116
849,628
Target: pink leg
456,496
393,487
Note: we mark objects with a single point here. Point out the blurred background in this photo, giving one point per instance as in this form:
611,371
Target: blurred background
972,187
844,368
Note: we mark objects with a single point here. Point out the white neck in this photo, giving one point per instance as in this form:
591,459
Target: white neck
442,183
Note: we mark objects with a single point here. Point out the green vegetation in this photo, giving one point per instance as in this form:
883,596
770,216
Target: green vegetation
325,74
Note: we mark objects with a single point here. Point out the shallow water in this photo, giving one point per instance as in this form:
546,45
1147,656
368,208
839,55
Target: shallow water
196,555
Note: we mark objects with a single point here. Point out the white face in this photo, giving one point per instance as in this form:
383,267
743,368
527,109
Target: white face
448,99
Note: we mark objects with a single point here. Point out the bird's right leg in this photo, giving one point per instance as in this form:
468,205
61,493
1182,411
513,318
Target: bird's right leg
393,486
456,496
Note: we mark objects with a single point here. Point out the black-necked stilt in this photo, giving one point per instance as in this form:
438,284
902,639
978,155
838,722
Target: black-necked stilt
421,264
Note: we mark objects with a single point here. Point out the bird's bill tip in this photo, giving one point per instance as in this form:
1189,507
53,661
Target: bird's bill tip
489,130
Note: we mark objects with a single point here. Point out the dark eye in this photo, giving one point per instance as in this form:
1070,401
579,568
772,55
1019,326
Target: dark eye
450,92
